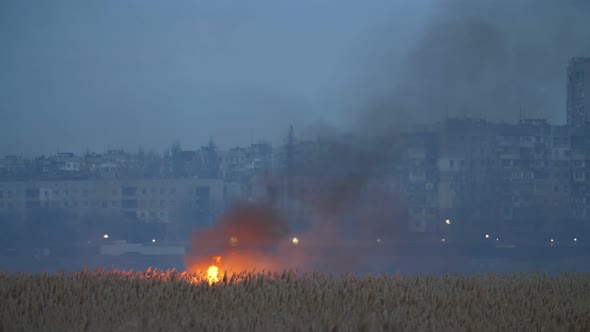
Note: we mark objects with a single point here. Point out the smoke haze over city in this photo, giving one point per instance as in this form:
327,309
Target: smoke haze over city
111,74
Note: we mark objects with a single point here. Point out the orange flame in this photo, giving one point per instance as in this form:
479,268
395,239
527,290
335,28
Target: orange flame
247,236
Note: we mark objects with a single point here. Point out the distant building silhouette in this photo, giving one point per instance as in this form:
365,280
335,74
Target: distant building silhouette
578,91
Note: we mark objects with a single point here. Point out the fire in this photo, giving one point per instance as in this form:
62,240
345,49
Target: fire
213,274
248,237
233,262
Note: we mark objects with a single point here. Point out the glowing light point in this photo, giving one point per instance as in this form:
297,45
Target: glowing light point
295,240
448,221
551,240
153,240
233,241
378,240
497,239
443,239
487,236
575,239
106,236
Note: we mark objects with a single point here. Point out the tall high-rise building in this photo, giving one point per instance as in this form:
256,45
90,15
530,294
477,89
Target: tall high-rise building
578,91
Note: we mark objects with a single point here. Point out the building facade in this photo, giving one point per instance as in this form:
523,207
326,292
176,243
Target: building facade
578,91
147,200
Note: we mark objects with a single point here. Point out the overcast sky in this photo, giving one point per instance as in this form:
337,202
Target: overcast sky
128,73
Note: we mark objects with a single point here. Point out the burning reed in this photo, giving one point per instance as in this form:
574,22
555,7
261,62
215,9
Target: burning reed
171,301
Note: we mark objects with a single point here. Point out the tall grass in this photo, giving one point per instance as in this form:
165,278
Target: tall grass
171,301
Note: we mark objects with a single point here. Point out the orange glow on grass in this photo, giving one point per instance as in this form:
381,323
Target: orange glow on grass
246,238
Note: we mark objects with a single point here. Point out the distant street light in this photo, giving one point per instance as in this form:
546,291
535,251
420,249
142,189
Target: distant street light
443,239
448,221
575,239
153,240
487,236
106,236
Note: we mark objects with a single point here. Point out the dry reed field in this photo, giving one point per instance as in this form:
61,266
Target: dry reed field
171,301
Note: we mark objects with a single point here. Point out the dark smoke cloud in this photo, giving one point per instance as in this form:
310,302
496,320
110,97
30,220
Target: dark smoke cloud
491,59
251,226
476,58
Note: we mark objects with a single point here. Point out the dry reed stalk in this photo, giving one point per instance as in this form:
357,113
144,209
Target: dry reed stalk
171,301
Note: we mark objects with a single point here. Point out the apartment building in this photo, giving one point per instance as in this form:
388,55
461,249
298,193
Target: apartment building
148,200
578,91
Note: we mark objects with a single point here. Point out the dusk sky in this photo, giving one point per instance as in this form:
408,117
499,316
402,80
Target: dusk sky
79,75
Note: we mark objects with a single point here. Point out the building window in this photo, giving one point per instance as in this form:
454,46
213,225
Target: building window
129,204
129,191
202,192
